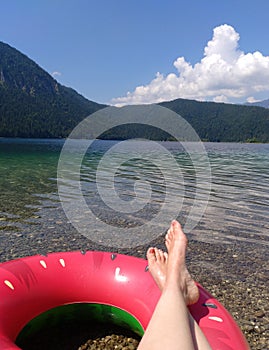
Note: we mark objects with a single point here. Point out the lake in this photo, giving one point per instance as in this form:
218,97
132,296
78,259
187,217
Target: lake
231,192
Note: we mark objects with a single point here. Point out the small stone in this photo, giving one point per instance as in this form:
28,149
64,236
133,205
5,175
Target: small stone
247,328
257,329
259,314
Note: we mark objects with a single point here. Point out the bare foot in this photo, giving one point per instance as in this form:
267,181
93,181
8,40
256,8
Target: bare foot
157,262
176,244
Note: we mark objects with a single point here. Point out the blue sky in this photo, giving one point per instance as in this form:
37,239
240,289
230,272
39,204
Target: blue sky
105,49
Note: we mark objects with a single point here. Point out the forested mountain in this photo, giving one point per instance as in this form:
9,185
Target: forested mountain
224,122
32,103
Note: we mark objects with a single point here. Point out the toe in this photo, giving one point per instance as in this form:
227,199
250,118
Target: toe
157,254
161,256
151,254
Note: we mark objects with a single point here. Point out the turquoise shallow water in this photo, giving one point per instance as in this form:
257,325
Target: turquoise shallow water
236,209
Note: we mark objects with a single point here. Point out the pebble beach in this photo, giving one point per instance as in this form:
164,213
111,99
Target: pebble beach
226,271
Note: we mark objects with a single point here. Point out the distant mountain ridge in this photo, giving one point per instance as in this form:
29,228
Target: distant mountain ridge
34,104
223,122
264,103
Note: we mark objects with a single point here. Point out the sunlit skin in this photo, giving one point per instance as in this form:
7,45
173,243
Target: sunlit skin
171,325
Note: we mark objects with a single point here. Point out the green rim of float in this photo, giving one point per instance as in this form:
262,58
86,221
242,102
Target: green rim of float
85,312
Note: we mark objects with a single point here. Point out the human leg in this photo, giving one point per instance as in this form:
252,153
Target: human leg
192,294
171,326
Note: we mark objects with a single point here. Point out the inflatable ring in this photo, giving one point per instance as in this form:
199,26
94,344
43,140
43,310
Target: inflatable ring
33,286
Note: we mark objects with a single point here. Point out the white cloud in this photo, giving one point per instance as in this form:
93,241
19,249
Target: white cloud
251,99
54,74
224,74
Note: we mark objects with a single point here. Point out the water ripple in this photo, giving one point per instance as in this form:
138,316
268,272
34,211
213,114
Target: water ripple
237,210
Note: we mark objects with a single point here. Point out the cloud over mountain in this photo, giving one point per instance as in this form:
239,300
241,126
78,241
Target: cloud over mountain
224,74
55,74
